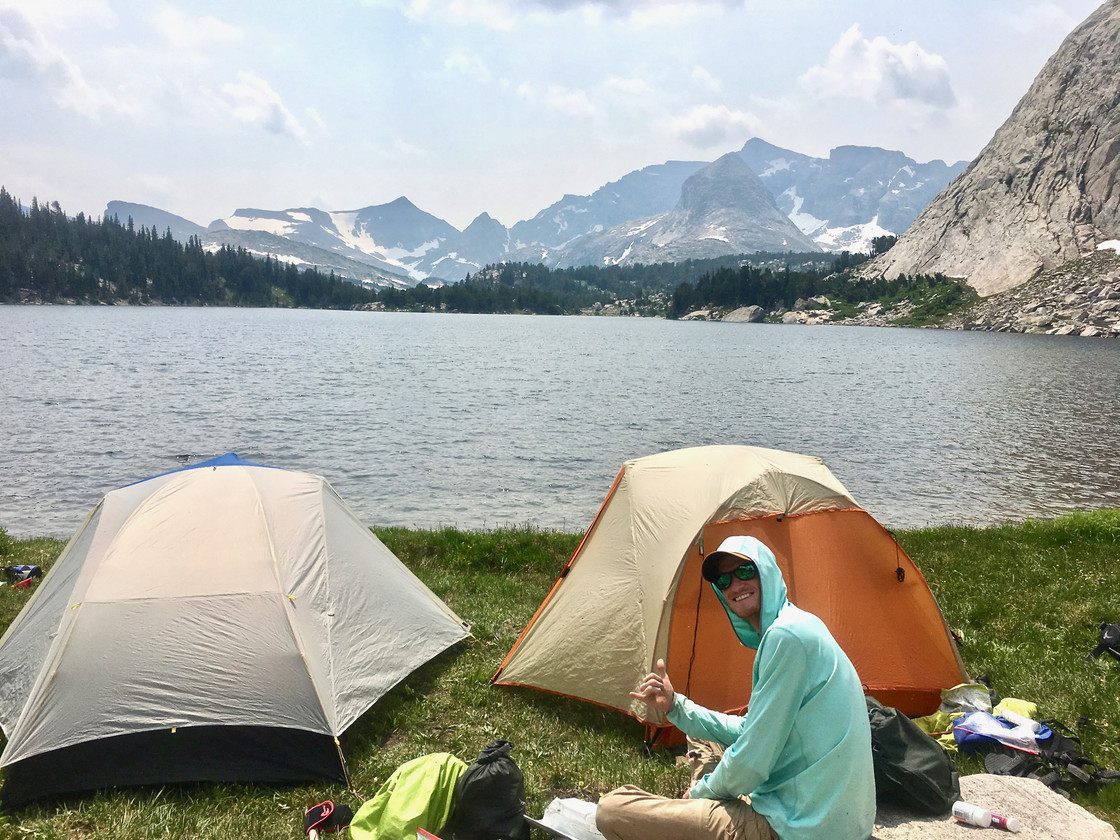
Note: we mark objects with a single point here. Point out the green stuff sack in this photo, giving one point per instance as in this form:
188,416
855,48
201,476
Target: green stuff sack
912,770
419,794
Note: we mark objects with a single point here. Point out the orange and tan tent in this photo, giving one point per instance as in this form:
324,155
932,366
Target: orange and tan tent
632,592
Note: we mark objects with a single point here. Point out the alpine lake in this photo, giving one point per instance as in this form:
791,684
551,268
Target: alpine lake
482,422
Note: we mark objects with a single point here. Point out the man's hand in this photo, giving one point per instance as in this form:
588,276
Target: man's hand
655,690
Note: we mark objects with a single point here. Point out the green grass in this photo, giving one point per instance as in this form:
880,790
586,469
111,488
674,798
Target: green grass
1027,600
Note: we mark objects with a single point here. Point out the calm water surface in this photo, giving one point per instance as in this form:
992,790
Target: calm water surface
484,421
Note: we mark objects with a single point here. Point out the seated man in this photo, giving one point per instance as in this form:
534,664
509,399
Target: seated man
797,766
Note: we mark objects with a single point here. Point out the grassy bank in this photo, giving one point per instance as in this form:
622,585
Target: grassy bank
1026,599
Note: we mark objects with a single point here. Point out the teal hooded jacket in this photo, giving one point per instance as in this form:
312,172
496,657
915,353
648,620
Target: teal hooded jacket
803,750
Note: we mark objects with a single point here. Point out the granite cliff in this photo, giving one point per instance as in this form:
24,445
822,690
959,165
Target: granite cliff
1045,191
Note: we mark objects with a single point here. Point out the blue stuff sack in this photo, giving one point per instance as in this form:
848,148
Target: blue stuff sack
982,732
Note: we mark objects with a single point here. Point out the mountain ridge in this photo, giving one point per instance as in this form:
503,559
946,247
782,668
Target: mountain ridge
398,239
724,208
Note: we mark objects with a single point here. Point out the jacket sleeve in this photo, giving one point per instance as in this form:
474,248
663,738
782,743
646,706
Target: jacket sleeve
703,724
780,685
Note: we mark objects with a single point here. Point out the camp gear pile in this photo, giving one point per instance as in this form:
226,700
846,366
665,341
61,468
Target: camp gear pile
439,795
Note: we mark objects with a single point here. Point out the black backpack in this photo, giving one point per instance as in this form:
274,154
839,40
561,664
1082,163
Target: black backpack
912,770
1108,642
489,799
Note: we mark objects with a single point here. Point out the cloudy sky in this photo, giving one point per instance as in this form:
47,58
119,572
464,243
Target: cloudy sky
466,106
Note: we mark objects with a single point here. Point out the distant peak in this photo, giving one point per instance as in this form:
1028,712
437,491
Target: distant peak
731,163
761,145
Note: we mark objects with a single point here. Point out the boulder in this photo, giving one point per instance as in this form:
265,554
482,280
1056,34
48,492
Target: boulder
1042,814
1035,321
746,315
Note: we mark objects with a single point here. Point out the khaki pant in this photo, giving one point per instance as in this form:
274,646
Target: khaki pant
630,813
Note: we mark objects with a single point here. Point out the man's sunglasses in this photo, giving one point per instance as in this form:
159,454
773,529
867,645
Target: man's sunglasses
748,571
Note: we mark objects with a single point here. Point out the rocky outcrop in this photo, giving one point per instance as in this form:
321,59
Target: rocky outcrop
1042,814
1045,190
1079,298
745,315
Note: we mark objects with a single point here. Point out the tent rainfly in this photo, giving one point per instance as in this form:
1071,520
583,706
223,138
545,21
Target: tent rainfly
634,586
224,622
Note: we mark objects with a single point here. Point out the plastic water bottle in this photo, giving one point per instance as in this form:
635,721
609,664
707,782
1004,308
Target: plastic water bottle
1006,823
1020,720
972,814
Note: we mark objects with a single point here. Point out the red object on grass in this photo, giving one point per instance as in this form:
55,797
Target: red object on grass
23,584
421,834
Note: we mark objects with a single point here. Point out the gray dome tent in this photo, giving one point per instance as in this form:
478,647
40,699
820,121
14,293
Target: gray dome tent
224,622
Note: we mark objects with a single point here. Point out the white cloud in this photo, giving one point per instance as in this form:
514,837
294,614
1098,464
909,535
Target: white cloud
28,59
494,14
57,15
626,7
631,89
702,77
571,102
879,71
317,121
712,125
462,63
505,14
1041,18
253,101
654,14
187,32
410,150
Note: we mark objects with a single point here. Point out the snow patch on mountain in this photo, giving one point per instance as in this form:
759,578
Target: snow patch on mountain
642,226
401,254
807,223
851,238
346,228
776,165
277,227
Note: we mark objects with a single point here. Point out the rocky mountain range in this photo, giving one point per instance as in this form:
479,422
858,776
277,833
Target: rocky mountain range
778,201
1045,191
723,209
851,197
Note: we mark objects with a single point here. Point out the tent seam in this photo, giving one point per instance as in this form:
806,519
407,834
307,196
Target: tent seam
286,610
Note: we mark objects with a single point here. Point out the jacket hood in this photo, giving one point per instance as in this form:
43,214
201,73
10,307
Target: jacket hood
773,587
